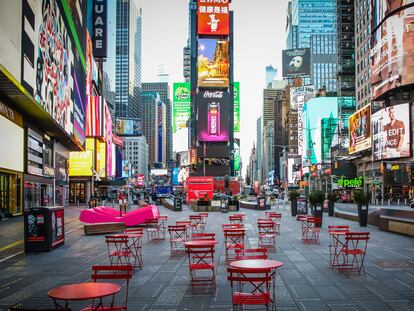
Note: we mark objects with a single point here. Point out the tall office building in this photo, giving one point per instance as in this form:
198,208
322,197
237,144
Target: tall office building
136,153
362,17
323,55
271,74
259,147
163,89
128,58
154,128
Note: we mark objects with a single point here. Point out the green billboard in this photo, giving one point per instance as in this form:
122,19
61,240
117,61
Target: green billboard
236,107
181,105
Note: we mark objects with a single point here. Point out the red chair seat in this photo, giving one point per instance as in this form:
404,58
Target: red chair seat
120,254
251,298
201,266
354,251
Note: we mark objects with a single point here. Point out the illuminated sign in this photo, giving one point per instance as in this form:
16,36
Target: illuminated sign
181,105
99,28
296,62
360,130
236,107
213,17
356,182
213,63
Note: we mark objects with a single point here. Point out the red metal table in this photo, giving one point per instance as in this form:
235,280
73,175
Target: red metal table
259,264
83,291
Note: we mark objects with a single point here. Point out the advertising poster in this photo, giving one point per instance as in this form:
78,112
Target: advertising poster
36,227
360,130
236,107
94,116
213,116
213,63
127,127
296,62
237,155
181,105
140,180
80,162
382,8
213,17
391,132
108,139
184,158
175,172
392,55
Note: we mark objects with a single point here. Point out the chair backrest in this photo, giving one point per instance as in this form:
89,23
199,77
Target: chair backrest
232,226
196,219
139,230
203,214
177,231
151,222
266,227
338,228
251,253
357,240
183,222
200,254
235,219
273,215
123,272
203,236
234,236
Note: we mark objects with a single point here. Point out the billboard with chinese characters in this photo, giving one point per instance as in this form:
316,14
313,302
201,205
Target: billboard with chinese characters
213,115
130,126
236,107
213,17
360,130
392,53
213,63
391,132
181,105
296,62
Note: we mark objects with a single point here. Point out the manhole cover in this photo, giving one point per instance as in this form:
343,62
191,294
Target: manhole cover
395,264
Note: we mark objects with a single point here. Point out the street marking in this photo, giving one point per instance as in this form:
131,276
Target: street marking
73,230
11,245
11,256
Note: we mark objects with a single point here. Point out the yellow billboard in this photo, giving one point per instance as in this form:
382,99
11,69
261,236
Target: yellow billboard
81,163
101,157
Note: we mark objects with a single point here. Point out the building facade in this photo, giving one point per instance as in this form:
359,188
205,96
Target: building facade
128,59
271,74
136,153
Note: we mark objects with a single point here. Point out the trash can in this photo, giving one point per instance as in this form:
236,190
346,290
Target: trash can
294,207
301,206
363,215
224,208
261,203
178,204
44,228
317,211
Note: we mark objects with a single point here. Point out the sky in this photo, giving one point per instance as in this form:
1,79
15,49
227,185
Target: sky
259,38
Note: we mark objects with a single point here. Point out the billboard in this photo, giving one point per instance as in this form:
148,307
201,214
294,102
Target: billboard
392,55
108,139
184,158
298,97
391,132
100,28
381,9
213,63
213,116
360,130
181,105
94,116
127,127
213,17
236,107
81,163
296,62
237,155
174,176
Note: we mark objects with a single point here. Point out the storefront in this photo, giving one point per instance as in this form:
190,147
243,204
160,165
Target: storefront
11,160
79,192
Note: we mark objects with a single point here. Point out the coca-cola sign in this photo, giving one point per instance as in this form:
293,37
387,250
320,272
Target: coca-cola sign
216,94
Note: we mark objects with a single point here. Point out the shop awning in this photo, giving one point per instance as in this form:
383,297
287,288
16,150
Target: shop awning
25,104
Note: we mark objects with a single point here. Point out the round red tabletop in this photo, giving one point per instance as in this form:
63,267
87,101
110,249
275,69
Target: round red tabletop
200,243
84,291
256,264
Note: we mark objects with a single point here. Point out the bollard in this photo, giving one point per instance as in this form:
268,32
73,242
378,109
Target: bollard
405,201
388,201
398,200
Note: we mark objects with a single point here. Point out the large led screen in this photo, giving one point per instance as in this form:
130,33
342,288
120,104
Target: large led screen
128,127
94,116
213,17
213,63
80,163
381,9
360,130
392,55
11,135
213,115
296,62
181,105
391,132
236,107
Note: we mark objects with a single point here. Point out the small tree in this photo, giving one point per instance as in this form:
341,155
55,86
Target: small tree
360,197
331,196
293,195
316,197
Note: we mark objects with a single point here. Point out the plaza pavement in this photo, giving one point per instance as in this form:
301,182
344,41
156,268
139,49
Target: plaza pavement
305,282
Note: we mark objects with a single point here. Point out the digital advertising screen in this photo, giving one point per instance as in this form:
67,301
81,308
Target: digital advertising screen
296,62
213,17
236,107
381,9
213,116
125,127
213,63
360,130
81,162
391,132
108,139
181,105
392,53
95,116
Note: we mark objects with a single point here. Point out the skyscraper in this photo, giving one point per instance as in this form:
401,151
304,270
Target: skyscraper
163,89
323,55
271,74
128,58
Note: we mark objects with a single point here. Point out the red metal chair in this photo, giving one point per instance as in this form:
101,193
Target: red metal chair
201,265
310,233
233,240
252,287
204,217
135,245
267,234
232,226
196,223
236,219
354,251
276,218
177,238
335,245
154,230
106,273
118,250
203,236
187,225
251,253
